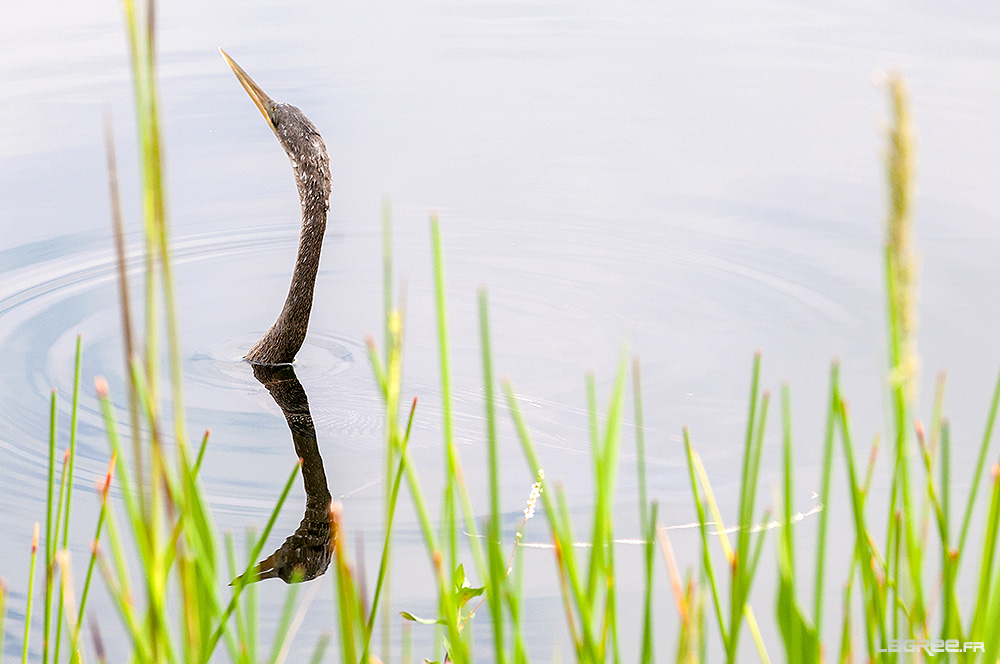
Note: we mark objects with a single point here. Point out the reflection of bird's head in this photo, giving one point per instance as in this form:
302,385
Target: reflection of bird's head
296,133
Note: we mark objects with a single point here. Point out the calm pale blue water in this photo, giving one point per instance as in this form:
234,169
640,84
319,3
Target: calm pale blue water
696,182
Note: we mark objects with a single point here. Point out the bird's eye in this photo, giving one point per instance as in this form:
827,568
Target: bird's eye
274,117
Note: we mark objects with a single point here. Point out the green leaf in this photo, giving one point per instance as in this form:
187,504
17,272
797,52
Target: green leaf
465,594
801,639
422,621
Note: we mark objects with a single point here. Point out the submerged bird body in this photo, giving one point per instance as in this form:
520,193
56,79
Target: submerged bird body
311,165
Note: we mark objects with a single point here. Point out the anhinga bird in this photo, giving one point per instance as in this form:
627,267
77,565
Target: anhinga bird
306,553
307,152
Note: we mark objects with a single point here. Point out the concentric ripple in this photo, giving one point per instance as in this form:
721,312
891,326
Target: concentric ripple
51,292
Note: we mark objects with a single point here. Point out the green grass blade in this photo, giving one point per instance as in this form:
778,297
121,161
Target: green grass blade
124,302
640,444
988,557
598,457
592,420
55,553
977,474
824,498
606,458
801,639
287,610
610,610
456,491
199,531
872,587
50,538
242,627
201,452
446,417
945,470
706,558
31,588
128,497
243,579
559,527
991,628
139,632
612,451
250,601
496,571
65,490
787,502
103,492
72,444
748,490
646,655
384,564
392,347
420,504
751,465
514,592
951,618
581,628
746,503
932,494
321,644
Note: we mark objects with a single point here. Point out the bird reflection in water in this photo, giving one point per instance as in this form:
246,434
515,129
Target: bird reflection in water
306,552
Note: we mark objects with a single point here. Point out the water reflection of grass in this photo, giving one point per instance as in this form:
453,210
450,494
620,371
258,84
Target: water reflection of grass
175,605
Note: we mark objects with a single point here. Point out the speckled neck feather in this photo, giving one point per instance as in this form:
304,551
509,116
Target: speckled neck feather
307,152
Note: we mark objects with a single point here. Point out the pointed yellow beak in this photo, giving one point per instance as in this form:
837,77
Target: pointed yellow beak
259,97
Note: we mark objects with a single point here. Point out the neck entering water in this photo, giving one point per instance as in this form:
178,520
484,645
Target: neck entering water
283,340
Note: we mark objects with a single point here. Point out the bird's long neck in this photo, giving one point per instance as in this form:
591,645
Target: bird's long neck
283,340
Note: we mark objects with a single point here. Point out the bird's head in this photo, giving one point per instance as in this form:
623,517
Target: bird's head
296,133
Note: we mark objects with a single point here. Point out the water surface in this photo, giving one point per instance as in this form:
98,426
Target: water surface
696,182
